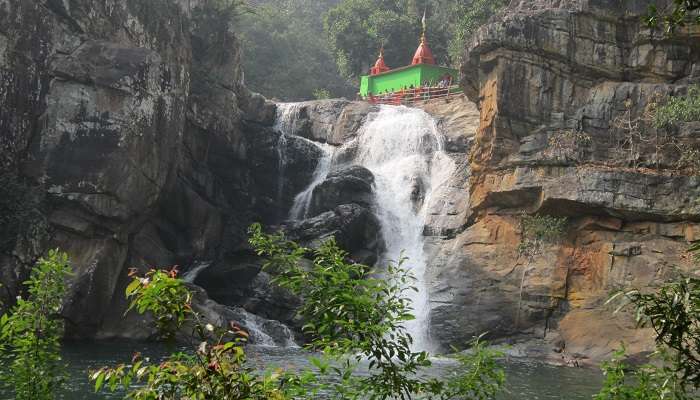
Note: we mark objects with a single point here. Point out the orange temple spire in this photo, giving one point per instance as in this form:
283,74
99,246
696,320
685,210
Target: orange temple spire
423,54
379,66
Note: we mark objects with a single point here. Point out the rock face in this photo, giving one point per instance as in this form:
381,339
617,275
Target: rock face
129,140
328,121
565,90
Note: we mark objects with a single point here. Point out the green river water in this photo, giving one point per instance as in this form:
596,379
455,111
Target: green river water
525,380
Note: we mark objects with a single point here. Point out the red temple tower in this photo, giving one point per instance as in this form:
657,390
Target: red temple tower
423,54
379,66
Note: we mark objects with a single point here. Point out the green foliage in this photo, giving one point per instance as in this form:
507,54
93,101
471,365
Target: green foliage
30,334
216,370
352,314
356,29
648,382
538,230
674,314
679,109
677,13
487,377
285,53
321,94
470,16
163,295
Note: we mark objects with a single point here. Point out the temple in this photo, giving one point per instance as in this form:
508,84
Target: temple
418,81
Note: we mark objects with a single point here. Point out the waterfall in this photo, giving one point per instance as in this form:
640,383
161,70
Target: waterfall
191,275
300,208
403,148
285,123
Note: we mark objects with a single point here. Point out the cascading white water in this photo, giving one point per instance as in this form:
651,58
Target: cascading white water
403,149
191,275
300,208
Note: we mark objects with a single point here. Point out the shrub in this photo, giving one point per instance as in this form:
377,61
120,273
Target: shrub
538,230
30,334
353,314
679,109
321,94
215,370
674,314
569,144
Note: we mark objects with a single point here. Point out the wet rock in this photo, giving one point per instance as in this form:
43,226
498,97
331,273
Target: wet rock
355,228
237,280
329,121
351,184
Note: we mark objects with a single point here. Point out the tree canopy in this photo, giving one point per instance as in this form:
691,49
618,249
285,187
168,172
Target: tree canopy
305,49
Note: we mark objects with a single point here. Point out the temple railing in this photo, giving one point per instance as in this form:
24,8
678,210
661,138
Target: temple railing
415,96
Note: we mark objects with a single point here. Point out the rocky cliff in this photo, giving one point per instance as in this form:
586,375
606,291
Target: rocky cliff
128,140
565,90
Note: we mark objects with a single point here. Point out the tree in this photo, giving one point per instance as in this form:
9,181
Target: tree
30,333
350,316
353,314
285,52
357,28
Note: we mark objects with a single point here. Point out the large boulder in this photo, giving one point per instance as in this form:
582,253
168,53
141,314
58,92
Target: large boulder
348,184
355,228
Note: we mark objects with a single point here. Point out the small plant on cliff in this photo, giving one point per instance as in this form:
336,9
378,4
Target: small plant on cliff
675,14
30,334
216,368
679,109
352,314
537,231
321,94
569,145
689,159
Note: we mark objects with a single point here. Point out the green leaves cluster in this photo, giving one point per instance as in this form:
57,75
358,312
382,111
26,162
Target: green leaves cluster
215,370
679,109
468,18
163,295
677,14
648,382
285,52
30,334
356,29
538,230
355,314
674,314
